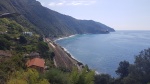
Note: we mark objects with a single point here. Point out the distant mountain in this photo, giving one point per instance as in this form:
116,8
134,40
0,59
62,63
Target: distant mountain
49,22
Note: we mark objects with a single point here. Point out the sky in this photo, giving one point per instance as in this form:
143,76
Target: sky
118,14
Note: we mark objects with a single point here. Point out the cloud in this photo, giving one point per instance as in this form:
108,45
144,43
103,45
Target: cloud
72,2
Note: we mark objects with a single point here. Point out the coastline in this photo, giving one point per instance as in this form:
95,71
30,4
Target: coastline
63,48
75,61
62,55
78,63
65,37
69,54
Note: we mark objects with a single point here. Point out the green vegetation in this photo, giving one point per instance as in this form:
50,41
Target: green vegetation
5,44
56,76
22,40
103,79
14,36
44,49
10,65
85,77
30,76
13,69
139,72
123,69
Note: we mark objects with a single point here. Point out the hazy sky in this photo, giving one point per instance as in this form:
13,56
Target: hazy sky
118,14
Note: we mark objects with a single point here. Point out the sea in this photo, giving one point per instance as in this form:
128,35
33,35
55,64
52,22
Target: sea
104,52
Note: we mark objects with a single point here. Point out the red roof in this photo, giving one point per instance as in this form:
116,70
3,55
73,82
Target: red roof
36,62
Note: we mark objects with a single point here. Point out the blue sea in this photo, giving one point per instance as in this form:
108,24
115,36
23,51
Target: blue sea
103,52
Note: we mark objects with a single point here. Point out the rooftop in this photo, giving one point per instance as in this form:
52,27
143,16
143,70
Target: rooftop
36,62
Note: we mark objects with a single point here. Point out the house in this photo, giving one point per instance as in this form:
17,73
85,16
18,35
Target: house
28,33
36,63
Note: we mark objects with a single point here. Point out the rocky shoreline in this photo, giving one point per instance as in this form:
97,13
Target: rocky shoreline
63,58
72,57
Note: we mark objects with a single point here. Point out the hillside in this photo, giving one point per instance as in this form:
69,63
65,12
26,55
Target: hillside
20,47
49,22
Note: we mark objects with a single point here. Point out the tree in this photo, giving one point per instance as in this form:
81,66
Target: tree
84,77
31,76
40,38
22,40
103,79
56,76
44,49
74,76
140,70
123,69
42,46
4,44
10,65
52,55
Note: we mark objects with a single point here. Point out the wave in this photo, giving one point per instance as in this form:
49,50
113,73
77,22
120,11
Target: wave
65,37
70,54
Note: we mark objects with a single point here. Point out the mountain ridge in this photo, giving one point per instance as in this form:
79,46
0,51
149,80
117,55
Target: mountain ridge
49,22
